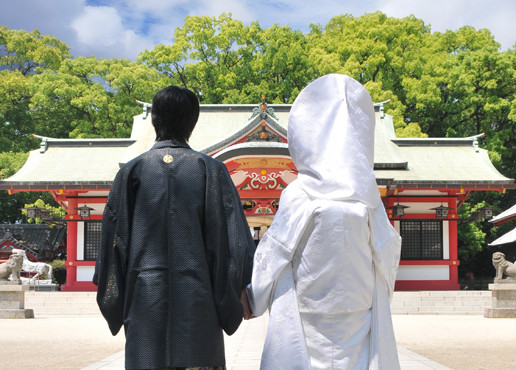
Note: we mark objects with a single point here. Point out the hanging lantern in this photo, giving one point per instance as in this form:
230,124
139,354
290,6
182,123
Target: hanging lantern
398,210
45,215
441,211
487,212
84,211
33,212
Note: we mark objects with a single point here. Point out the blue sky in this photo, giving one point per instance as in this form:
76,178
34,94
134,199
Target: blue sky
124,28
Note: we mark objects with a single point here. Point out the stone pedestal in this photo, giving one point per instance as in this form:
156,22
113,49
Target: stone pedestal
12,301
504,299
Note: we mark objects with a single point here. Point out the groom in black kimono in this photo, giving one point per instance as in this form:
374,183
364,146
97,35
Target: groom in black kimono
176,249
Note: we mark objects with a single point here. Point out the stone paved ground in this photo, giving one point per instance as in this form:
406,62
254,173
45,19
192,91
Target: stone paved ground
77,342
56,342
459,341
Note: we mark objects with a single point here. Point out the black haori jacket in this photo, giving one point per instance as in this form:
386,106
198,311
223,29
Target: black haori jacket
176,252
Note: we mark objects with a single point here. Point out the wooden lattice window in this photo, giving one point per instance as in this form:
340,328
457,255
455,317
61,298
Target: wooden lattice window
421,240
92,235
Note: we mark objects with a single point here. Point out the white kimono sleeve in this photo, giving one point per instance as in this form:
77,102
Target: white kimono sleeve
277,247
386,249
270,260
272,287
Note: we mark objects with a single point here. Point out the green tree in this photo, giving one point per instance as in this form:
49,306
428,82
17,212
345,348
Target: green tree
205,56
10,163
378,51
280,68
46,92
15,120
224,61
470,83
91,98
22,55
30,52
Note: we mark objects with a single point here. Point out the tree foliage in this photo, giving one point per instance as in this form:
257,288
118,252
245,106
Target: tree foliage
45,91
86,97
451,84
30,52
224,61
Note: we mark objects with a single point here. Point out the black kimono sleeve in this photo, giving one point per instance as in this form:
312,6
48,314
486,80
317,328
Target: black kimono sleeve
110,268
229,245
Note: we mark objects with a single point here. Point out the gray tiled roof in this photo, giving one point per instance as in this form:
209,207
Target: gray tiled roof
31,237
397,161
73,161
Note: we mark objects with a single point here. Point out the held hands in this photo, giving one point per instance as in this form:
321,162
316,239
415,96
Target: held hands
247,308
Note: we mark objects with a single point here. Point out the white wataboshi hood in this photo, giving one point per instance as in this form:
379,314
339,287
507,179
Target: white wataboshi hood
331,140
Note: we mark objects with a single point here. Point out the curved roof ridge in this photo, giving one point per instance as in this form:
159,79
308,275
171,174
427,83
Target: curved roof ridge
253,123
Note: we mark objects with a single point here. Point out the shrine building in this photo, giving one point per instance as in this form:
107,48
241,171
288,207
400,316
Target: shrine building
422,182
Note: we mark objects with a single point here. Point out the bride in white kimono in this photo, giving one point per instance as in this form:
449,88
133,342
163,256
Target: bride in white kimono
326,267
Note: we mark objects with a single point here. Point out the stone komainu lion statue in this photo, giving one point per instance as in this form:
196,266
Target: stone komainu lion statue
12,266
503,266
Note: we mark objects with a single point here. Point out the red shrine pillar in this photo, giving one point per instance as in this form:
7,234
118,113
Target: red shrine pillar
71,247
454,248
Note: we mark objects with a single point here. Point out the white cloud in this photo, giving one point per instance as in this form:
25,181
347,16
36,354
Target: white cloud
49,17
442,15
100,29
98,25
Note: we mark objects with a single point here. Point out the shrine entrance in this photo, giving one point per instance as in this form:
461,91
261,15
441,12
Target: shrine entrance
258,226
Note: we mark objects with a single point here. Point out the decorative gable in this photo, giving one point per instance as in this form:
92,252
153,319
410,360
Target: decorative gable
262,126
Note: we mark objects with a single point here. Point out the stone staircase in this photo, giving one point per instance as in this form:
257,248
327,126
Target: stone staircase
62,303
461,302
452,302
